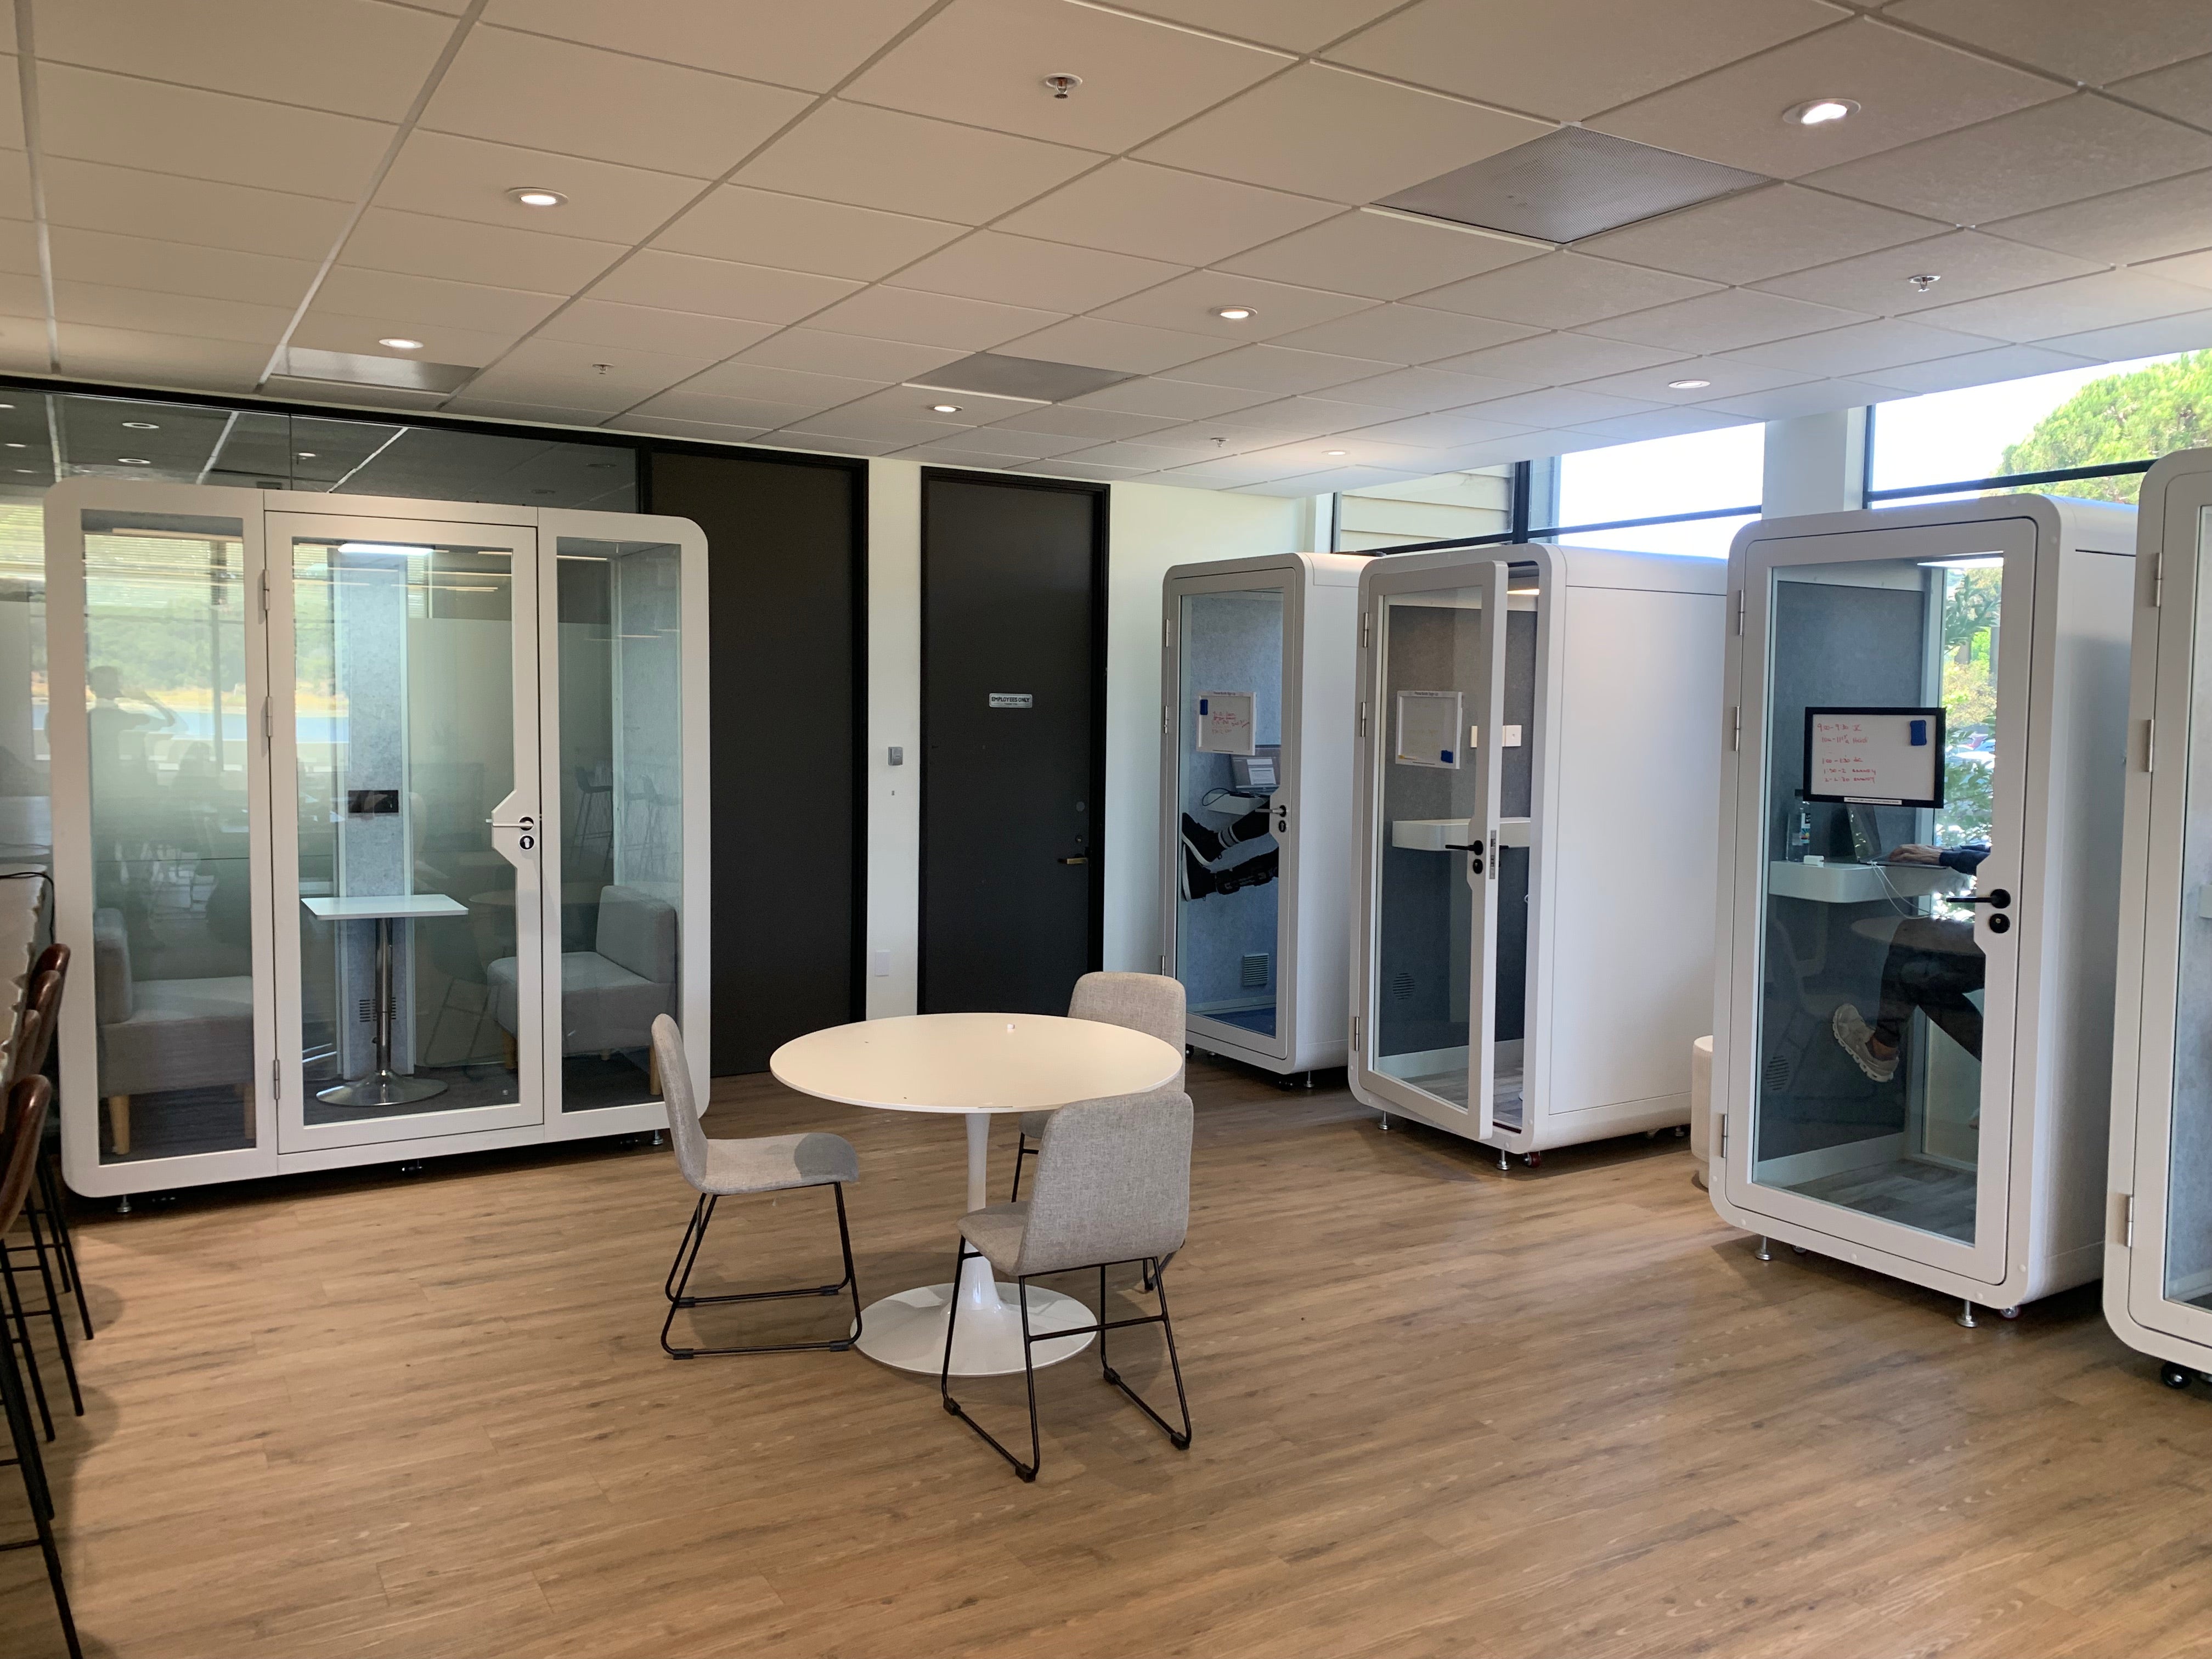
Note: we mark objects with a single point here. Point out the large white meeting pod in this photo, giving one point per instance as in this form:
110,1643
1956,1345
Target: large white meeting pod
380,825
2158,1241
1256,831
1921,804
1537,754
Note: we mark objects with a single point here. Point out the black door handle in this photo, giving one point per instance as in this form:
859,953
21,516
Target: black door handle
1998,900
1078,859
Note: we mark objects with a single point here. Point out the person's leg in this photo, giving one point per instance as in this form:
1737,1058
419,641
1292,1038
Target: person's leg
1210,843
1931,965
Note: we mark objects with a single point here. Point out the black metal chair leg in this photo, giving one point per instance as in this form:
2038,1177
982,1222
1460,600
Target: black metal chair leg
1022,1150
687,1257
1026,1471
671,1289
40,1495
53,1311
1179,1439
56,1203
12,1313
845,1243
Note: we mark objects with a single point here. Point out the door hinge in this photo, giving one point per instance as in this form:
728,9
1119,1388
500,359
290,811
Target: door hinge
264,596
1362,719
1167,631
1355,1033
2128,1219
276,1079
1735,726
2157,581
1366,629
1167,719
2150,742
264,726
1724,1135
1492,860
1738,612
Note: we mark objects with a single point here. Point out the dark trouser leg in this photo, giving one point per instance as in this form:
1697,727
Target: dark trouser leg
1932,965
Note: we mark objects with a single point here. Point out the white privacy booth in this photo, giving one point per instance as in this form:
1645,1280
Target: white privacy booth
380,825
2158,1240
1538,750
1920,812
1256,711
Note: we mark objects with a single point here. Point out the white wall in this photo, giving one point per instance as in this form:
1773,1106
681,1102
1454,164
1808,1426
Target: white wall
1815,464
1153,526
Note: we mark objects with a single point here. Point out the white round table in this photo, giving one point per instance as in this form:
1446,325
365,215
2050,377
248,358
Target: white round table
979,1065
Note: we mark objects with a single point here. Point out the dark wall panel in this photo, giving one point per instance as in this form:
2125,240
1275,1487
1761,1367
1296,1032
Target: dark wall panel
787,619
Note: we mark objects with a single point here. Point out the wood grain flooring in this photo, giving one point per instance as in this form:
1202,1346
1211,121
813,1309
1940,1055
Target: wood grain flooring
1440,1411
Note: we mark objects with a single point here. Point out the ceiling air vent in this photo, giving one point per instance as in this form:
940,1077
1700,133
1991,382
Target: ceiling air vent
389,374
988,373
1571,184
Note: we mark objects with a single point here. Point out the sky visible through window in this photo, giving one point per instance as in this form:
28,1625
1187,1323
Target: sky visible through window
1685,474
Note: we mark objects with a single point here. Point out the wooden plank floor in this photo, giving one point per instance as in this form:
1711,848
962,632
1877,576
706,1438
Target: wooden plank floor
1440,1411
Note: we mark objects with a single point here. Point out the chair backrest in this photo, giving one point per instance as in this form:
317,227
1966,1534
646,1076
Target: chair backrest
684,1133
45,1001
1112,1182
30,1041
25,1115
1151,1003
110,967
637,931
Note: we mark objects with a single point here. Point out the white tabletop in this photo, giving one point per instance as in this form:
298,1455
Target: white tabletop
973,1062
379,907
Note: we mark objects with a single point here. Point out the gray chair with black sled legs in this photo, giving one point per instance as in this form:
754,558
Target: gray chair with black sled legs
1112,1190
1151,1003
723,1168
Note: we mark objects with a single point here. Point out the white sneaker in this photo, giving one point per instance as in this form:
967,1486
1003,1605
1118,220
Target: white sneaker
1855,1036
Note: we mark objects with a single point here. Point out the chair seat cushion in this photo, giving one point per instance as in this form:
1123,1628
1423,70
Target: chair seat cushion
771,1164
602,1004
182,1034
996,1230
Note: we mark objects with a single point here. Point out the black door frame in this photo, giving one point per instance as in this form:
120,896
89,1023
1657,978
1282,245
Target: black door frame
1094,954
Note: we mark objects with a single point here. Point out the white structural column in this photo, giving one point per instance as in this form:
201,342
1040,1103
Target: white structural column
1815,464
894,717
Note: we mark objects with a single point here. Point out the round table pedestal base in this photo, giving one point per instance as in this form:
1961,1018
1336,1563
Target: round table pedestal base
908,1330
384,1088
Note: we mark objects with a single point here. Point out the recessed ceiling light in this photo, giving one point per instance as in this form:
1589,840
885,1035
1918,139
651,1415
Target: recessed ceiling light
398,343
945,409
1235,313
131,460
18,446
531,196
142,426
1336,451
7,405
28,469
1687,386
1820,112
305,455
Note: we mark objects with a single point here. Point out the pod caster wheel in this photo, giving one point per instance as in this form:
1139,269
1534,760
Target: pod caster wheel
1533,1160
2012,1312
2173,1376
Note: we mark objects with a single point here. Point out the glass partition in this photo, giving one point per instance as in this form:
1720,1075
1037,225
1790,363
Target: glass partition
1883,749
2189,1175
403,711
620,787
1228,860
172,933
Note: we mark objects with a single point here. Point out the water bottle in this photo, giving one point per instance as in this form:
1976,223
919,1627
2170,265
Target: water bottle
1800,834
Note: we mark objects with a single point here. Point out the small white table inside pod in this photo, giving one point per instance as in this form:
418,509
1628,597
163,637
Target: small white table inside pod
979,1065
383,1086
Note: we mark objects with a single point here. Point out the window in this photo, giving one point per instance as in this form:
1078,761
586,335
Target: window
1696,472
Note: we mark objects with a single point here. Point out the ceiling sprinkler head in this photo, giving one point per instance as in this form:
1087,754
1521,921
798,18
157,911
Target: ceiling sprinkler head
1060,85
1922,283
602,367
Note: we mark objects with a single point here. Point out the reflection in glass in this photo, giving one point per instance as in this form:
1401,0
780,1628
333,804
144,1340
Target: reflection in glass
622,832
172,956
404,722
1871,1004
2189,1175
1228,862
25,790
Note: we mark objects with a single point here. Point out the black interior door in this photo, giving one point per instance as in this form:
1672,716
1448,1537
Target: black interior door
1013,711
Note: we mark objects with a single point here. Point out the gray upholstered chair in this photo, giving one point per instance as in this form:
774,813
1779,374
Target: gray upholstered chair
159,1034
716,1169
1151,1003
1113,1187
611,993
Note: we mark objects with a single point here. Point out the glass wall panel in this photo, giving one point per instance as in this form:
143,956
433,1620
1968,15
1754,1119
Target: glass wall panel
168,734
1869,1061
404,720
1693,473
620,785
1231,755
2189,1175
26,795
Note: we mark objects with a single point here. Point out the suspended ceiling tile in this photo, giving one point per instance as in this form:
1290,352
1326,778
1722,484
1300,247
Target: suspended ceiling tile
1329,133
1556,359
467,178
705,432
1659,423
1096,425
1342,450
96,256
1563,290
944,319
193,316
956,454
1442,431
715,409
343,56
2183,91
1862,348
968,409
582,376
720,287
764,384
1088,471
1171,399
988,264
978,61
1811,397
832,239
1422,391
1406,334
555,94
1329,482
1188,302
824,443
1382,254
1229,473
89,116
1759,233
1908,89
433,301
1555,406
424,245
151,358
1726,374
2188,330
1285,419
903,163
1096,343
2105,301
647,328
1294,25
325,330
2010,363
877,424
91,196
1277,368
1570,58
813,46
1002,439
1967,264
1722,322
1160,213
19,249
15,186
507,408
817,351
2080,146
2083,43
1143,457
2194,269
2174,216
